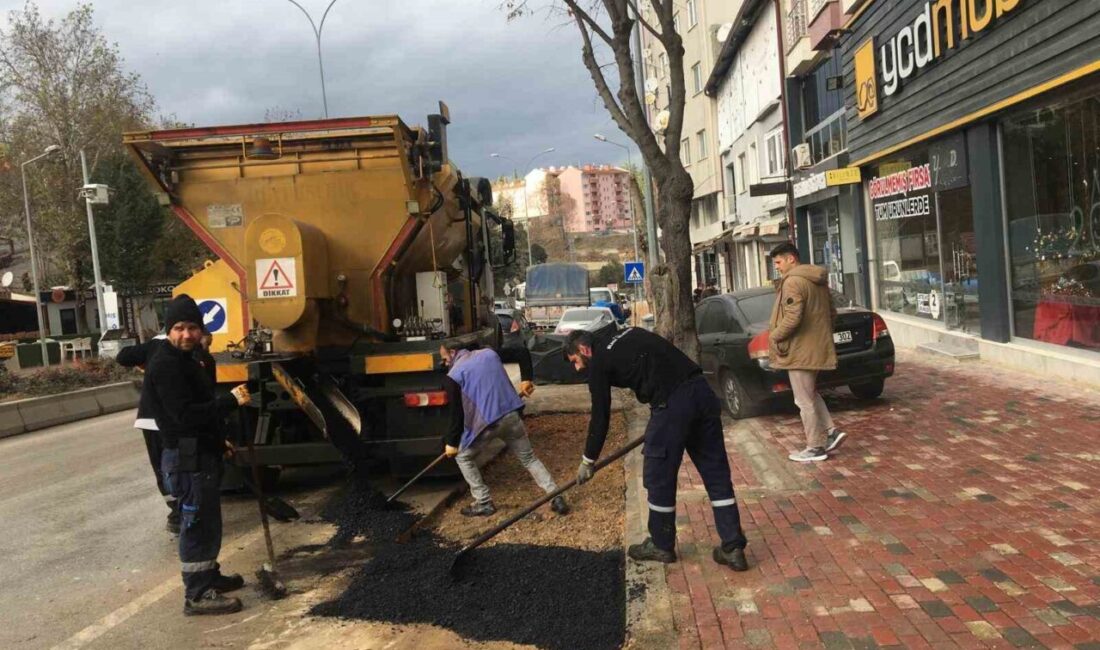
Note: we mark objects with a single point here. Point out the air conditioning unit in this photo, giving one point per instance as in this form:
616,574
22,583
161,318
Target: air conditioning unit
802,158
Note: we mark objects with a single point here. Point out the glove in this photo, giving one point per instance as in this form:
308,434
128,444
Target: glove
450,451
526,388
242,395
585,471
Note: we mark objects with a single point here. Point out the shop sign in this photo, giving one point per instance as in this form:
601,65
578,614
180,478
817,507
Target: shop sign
844,176
923,41
809,185
913,185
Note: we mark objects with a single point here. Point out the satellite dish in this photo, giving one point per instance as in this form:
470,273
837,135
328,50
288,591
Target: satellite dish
651,98
7,279
723,32
662,120
651,85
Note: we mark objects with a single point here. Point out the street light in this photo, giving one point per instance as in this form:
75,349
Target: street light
95,250
50,150
526,213
317,34
633,220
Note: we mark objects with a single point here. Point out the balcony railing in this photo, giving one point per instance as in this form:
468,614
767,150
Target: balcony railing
828,137
796,23
815,8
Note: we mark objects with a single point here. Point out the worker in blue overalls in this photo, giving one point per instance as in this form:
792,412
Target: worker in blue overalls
685,415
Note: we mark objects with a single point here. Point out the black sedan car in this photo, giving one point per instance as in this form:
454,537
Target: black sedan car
733,339
517,332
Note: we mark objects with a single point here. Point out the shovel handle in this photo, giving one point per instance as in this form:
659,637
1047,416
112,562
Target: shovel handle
414,479
500,528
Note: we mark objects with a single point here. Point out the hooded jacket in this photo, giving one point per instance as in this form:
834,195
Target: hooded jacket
801,323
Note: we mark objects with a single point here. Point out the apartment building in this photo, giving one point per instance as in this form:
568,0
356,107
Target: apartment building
697,22
746,83
600,198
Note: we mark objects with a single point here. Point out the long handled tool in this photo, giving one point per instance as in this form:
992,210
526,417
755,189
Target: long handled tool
500,528
414,479
270,583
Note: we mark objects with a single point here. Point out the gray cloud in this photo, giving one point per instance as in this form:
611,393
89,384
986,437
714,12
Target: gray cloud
513,87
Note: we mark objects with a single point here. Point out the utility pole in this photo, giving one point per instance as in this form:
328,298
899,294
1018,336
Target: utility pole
95,250
52,149
650,216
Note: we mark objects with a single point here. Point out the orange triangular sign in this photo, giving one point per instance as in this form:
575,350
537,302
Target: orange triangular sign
276,278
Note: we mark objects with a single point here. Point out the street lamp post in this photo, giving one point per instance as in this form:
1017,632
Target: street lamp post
50,150
633,220
317,28
526,212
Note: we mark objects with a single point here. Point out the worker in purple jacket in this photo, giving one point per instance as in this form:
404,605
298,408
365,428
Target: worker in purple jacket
485,406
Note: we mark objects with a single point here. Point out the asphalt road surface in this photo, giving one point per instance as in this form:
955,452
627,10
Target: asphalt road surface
85,560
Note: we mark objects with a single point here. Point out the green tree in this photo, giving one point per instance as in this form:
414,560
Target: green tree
538,254
62,83
129,228
610,273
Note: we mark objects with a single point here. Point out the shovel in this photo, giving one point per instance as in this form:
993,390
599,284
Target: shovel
500,528
414,479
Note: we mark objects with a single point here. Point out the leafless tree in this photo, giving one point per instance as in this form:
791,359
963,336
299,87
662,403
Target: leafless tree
605,28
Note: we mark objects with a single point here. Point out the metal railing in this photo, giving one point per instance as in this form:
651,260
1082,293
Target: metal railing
796,23
815,8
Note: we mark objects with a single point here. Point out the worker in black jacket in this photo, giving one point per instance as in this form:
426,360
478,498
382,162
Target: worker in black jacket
189,416
685,415
135,356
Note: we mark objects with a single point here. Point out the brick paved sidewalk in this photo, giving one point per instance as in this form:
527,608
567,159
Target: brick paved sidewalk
962,512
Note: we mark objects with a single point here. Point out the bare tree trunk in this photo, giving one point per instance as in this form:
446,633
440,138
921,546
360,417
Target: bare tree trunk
674,215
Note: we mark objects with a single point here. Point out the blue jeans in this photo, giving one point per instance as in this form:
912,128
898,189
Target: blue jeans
200,507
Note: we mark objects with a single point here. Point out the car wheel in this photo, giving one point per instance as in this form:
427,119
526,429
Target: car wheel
734,397
868,390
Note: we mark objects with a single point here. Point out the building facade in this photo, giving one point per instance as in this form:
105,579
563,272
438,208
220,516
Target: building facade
697,22
976,131
600,198
746,82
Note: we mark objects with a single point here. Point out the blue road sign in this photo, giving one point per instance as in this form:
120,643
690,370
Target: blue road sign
213,315
634,272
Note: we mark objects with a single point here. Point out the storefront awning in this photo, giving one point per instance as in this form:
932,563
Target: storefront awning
744,232
772,226
710,243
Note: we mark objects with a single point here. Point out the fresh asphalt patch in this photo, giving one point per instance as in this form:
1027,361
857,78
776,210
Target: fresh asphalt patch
551,597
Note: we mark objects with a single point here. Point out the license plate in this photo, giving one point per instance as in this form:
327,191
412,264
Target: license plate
842,337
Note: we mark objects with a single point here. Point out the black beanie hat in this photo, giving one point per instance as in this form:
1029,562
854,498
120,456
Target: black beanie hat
182,308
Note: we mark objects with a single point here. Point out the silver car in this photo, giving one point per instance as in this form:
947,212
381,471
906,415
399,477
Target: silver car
591,319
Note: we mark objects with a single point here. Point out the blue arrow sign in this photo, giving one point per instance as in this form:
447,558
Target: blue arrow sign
634,272
214,315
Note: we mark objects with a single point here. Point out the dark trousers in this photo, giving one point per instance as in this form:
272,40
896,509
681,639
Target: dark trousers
691,421
155,449
199,494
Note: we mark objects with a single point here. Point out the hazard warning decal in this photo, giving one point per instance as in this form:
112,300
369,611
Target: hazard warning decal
276,277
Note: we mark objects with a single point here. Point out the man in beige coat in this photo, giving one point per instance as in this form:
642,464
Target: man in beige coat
801,342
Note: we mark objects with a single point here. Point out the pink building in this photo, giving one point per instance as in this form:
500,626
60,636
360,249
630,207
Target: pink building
600,198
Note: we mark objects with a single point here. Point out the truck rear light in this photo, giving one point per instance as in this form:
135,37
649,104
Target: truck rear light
879,331
422,400
515,327
780,387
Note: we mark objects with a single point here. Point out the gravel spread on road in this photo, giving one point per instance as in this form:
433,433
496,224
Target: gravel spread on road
549,581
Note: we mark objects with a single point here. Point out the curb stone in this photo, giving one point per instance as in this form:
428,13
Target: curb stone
649,620
32,414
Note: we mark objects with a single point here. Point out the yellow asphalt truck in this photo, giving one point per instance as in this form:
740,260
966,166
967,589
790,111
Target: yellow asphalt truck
348,250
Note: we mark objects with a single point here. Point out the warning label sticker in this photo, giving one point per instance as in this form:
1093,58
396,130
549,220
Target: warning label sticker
276,277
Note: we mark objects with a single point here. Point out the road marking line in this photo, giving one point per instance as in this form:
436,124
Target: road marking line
120,615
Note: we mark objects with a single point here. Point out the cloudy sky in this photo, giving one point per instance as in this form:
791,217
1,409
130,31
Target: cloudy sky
514,88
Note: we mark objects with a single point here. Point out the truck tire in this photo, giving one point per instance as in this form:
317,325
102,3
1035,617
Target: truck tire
868,389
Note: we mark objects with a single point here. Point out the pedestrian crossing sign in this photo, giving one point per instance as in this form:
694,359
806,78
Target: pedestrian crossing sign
634,272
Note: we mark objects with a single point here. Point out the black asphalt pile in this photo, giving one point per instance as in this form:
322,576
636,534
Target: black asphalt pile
363,511
550,597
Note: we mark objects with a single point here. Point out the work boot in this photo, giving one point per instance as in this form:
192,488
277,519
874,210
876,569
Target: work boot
835,440
479,509
647,551
733,558
558,505
211,603
224,584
